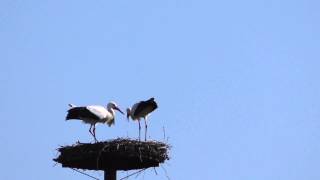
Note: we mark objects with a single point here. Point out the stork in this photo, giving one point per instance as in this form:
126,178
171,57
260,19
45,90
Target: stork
141,110
93,114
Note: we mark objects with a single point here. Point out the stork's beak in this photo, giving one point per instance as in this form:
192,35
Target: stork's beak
128,113
116,108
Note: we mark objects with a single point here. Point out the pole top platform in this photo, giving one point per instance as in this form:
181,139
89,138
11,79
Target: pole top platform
116,154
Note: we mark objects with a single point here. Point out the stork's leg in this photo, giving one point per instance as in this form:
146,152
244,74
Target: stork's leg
139,129
90,129
146,128
94,133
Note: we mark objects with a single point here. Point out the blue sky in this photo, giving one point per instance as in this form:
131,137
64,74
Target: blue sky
237,83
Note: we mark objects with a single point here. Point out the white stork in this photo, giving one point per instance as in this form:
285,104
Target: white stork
93,114
141,110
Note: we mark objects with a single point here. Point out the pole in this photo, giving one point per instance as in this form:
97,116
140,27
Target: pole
110,174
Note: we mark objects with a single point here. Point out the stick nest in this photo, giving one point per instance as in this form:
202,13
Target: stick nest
117,154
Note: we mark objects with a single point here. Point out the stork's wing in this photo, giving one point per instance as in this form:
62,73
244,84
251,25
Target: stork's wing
145,107
80,113
134,107
98,111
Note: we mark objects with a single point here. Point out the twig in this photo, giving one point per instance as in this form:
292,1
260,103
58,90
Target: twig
98,159
164,133
140,154
84,174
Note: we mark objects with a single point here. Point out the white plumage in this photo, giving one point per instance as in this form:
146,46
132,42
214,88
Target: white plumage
93,114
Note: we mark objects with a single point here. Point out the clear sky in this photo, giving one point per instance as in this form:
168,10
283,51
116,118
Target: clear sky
237,83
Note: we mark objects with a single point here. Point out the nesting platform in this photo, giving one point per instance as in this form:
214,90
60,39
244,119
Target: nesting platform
117,154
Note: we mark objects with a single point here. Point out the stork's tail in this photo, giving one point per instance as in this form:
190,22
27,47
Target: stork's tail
71,114
152,103
74,113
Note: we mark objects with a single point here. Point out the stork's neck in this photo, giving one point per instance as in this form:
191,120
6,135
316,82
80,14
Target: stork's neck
111,111
129,113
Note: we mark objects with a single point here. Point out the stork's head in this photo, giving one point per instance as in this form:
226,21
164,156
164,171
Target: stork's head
128,113
113,105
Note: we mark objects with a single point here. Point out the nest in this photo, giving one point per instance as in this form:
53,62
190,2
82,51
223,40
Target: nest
117,154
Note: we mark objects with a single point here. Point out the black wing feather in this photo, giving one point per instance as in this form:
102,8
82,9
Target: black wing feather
80,113
149,105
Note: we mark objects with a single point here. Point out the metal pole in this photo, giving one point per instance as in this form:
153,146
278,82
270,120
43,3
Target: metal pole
110,174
